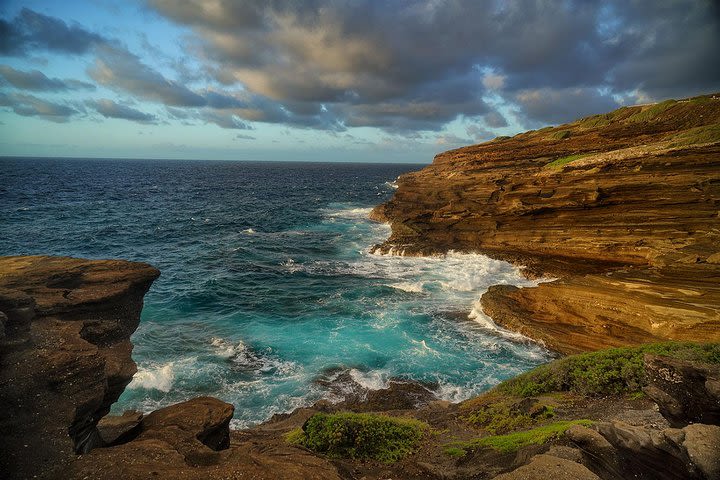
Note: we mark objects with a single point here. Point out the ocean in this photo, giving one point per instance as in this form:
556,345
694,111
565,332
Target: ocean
267,282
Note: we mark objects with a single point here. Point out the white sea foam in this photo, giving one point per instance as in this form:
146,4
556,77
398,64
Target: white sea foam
485,322
410,287
392,184
349,213
249,231
246,358
422,349
155,377
372,380
223,348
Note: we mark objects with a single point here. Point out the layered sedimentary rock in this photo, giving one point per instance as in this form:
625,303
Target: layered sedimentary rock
623,207
65,354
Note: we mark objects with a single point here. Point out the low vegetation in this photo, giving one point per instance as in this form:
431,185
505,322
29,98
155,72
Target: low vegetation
359,436
699,135
564,161
500,414
512,442
650,113
614,371
561,135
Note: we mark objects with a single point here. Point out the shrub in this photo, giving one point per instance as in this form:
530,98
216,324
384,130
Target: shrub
561,135
606,372
513,442
359,436
499,415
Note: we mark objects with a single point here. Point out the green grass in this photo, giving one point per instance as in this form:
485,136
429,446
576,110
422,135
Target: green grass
704,134
501,414
614,371
561,135
513,442
359,436
650,113
565,160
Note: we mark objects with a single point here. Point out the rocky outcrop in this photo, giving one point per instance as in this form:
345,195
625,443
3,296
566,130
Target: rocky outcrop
192,440
618,451
623,207
686,392
65,355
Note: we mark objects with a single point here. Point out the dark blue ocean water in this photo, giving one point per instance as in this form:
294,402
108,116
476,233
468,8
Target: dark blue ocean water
267,283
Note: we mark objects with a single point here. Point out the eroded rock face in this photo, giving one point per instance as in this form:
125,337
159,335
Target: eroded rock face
65,356
685,391
631,227
618,450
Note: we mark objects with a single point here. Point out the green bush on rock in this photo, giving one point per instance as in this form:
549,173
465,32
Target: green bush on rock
512,442
613,371
359,436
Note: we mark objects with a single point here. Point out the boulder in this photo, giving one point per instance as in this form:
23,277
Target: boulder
685,391
544,467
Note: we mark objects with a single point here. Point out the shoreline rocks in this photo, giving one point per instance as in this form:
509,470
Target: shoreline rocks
65,356
621,211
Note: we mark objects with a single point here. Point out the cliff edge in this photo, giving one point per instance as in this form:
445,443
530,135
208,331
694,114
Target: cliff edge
65,354
623,208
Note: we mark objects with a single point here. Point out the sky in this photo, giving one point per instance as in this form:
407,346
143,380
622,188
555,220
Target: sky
332,80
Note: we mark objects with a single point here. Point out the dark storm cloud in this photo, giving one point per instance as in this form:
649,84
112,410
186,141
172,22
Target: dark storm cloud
403,67
557,106
31,106
31,30
377,62
38,81
110,109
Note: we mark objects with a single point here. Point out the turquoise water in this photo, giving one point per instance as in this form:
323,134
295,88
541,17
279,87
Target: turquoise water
267,281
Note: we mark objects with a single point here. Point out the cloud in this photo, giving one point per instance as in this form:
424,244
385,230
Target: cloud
120,70
31,106
403,67
240,136
450,140
556,106
225,120
492,81
495,120
393,65
30,31
478,133
38,81
109,109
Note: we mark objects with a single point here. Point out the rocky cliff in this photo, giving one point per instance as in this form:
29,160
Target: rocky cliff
65,357
65,354
623,207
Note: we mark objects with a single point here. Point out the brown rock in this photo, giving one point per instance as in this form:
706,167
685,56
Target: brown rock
202,419
685,391
544,467
617,226
116,429
65,356
702,443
